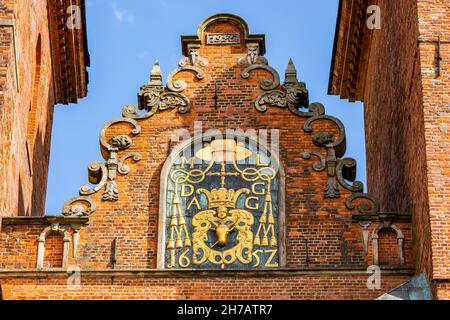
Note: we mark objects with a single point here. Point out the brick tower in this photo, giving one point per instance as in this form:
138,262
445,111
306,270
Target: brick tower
43,59
400,71
225,183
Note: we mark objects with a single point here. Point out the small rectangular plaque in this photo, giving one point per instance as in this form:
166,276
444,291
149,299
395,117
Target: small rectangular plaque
223,38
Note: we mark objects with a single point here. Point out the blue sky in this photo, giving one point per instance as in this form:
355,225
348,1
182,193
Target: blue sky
127,36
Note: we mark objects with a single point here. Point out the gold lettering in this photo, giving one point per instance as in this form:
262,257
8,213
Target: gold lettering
184,192
195,202
262,191
184,161
249,206
184,260
269,262
259,163
256,256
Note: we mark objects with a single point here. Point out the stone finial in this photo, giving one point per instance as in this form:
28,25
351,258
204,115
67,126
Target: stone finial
291,73
156,75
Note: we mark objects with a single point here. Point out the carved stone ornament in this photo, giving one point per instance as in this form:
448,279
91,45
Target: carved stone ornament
104,175
253,56
317,166
79,206
194,57
180,85
121,142
223,38
369,204
294,96
346,170
153,98
266,84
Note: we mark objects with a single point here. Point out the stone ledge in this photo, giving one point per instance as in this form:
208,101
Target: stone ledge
44,220
155,273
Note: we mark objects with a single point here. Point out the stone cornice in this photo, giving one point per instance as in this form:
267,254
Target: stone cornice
351,47
45,220
160,273
70,55
249,38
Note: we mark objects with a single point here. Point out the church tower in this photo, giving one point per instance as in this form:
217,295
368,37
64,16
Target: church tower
226,182
43,60
398,67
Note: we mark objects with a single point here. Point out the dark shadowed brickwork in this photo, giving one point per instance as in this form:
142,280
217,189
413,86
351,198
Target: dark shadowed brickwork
401,74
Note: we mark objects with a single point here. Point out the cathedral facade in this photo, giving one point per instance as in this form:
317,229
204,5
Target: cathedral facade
227,182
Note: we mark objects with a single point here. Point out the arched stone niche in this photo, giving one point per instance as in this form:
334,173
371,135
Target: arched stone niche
375,238
54,228
222,204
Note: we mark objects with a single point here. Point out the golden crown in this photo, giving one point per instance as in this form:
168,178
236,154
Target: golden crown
223,197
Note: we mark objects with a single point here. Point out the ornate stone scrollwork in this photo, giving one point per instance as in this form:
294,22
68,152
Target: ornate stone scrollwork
153,98
371,205
98,174
74,208
122,167
105,174
346,170
317,166
266,84
253,56
325,139
117,143
295,97
339,143
180,85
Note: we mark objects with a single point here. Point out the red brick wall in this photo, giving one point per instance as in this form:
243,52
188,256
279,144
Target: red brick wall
394,122
306,285
434,21
54,245
22,189
335,242
387,247
407,124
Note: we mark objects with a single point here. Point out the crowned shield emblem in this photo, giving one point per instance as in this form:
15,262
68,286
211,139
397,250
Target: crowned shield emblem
222,208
